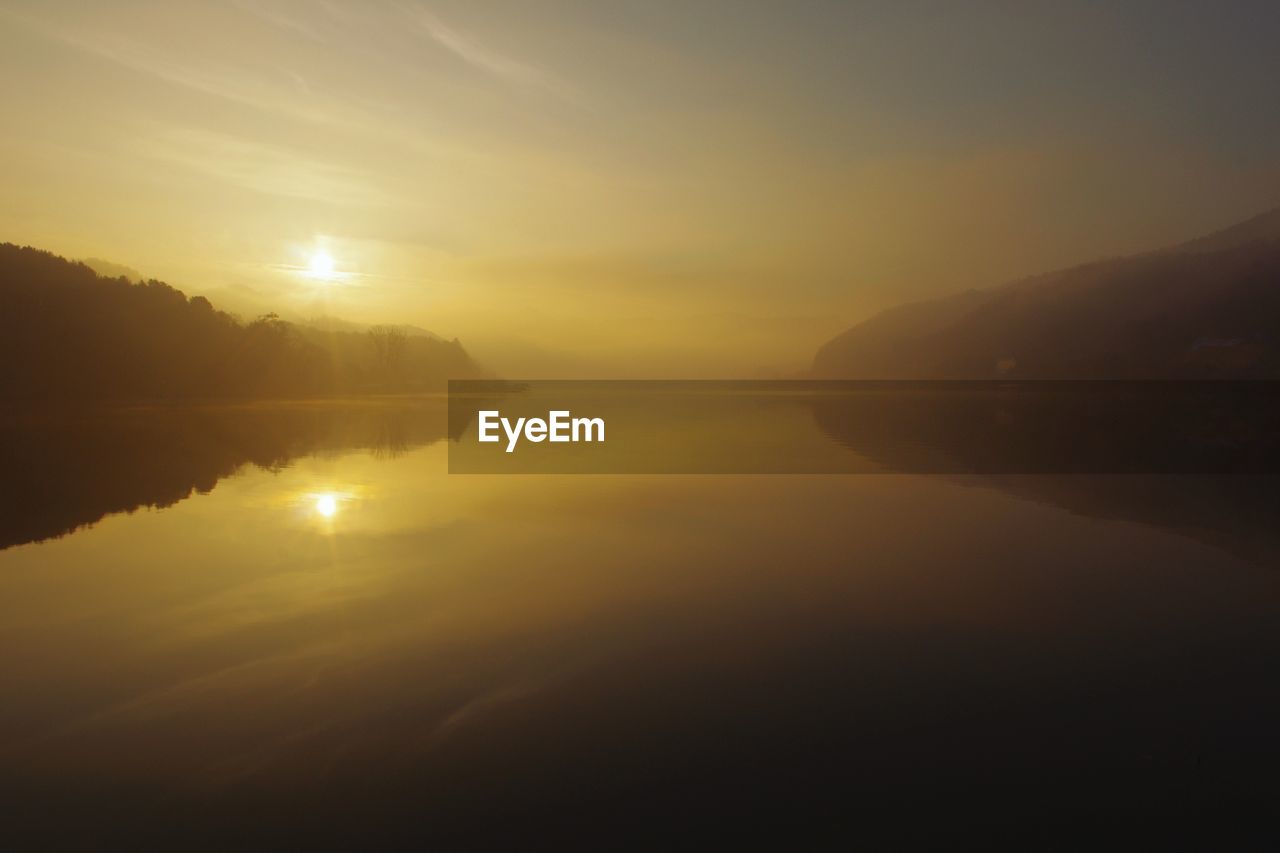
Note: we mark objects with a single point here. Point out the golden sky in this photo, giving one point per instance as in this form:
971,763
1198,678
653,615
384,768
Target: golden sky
625,189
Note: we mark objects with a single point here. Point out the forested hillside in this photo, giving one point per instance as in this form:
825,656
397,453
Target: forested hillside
68,333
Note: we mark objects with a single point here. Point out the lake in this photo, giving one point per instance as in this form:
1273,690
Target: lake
231,624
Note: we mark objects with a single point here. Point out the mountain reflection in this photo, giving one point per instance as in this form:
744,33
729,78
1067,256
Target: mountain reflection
1177,458
68,469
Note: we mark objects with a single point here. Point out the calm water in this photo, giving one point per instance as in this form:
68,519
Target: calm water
306,626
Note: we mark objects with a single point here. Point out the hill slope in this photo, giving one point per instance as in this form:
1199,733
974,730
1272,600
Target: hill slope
1206,308
66,332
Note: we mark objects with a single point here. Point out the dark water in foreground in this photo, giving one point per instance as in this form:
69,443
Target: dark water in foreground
307,631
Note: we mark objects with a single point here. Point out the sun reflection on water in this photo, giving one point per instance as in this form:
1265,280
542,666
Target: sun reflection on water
326,505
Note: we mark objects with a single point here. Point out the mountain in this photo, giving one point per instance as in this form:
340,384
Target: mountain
68,333
1206,308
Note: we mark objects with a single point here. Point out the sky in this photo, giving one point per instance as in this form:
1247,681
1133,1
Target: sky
627,189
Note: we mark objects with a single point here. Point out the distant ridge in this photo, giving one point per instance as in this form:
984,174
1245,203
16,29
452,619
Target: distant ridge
1264,226
110,269
326,323
1204,308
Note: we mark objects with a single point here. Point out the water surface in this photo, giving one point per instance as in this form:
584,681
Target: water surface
290,618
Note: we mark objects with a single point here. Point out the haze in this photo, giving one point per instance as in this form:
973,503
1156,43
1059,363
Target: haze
626,189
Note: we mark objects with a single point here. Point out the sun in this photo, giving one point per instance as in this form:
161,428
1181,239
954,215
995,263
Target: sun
320,265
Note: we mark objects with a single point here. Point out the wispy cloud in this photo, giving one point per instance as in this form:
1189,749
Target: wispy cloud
487,60
222,82
266,169
232,82
272,14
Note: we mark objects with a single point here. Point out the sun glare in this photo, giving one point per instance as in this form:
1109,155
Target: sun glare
320,265
326,505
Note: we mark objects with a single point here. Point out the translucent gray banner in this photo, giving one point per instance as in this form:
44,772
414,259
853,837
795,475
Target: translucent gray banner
801,427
